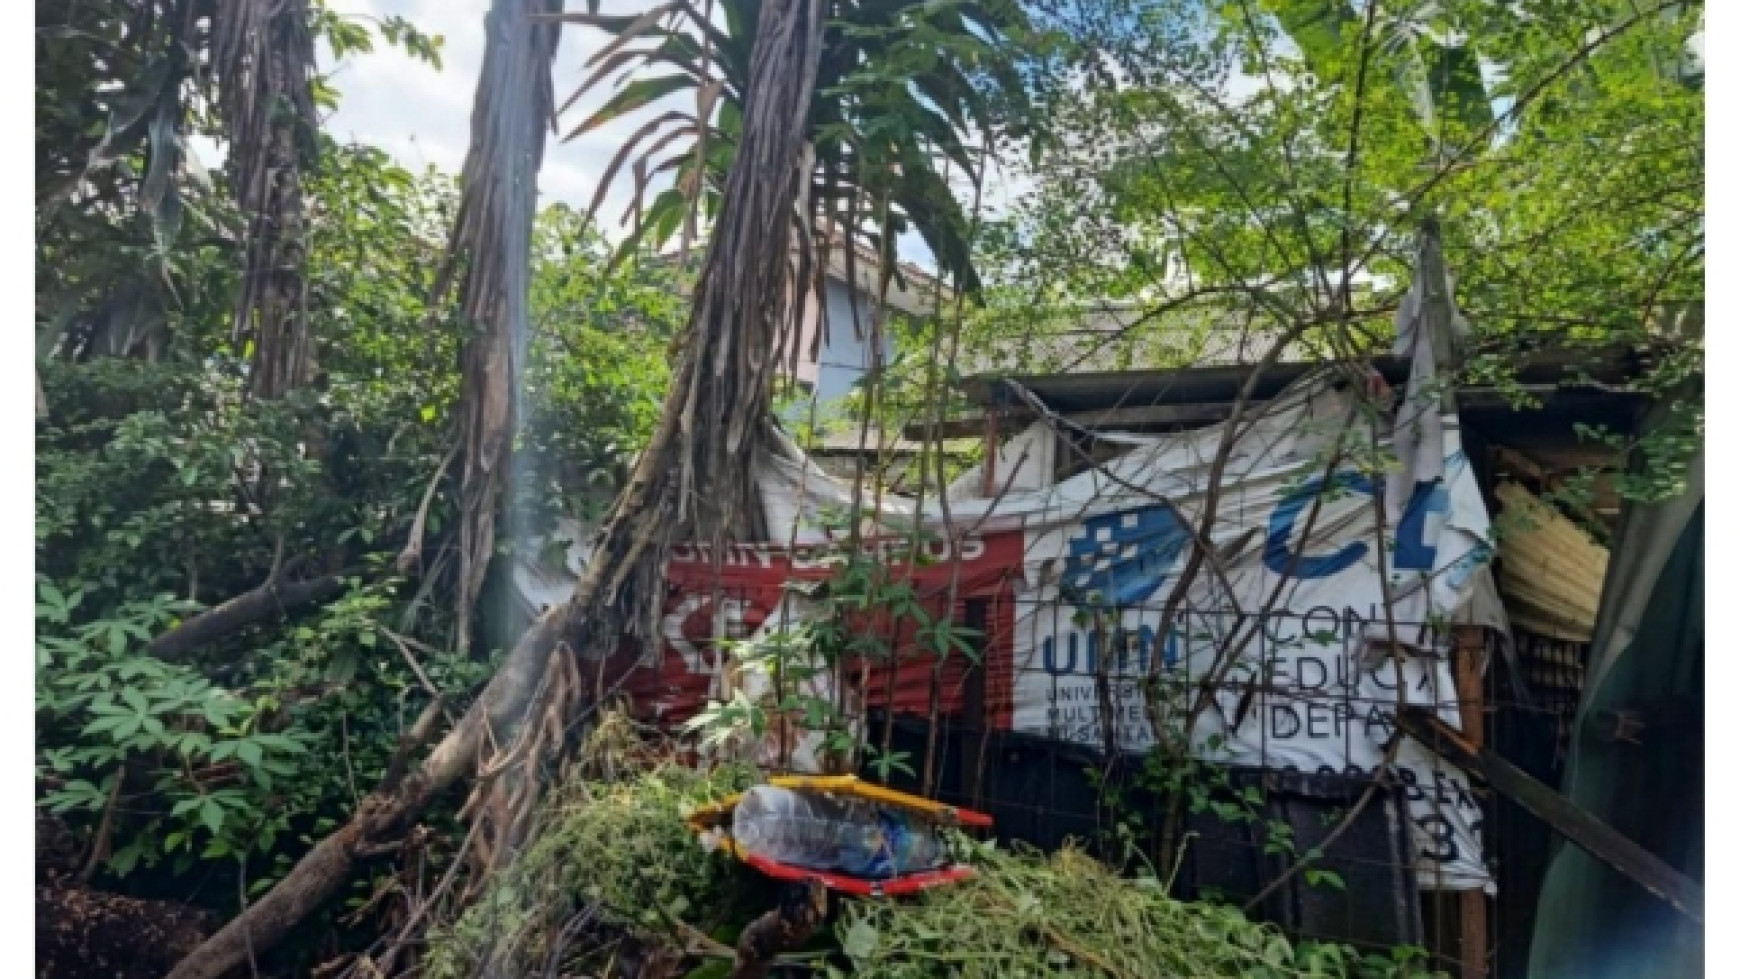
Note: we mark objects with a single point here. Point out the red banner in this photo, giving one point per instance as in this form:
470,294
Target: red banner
746,584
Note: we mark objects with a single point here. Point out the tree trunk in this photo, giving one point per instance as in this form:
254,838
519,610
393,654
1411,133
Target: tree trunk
509,120
264,56
243,610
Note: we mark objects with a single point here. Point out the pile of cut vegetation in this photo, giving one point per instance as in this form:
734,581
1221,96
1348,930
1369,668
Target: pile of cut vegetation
612,871
1068,915
614,878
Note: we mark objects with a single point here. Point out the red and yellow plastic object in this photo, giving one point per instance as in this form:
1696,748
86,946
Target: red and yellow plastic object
717,817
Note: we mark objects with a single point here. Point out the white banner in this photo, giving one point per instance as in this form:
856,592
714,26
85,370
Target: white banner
1309,688
1312,688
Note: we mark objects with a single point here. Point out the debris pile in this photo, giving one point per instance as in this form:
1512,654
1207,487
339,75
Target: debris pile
615,882
1067,915
613,864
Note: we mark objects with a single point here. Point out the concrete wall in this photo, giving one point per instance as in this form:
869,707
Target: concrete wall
845,357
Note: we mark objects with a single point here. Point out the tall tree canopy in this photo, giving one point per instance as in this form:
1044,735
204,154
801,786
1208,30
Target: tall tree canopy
1262,167
903,92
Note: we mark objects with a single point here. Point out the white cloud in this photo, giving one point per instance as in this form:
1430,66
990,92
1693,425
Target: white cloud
422,116
388,99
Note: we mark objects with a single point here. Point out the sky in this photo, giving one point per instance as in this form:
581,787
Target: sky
422,115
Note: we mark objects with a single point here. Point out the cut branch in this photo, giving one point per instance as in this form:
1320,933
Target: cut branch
272,598
410,560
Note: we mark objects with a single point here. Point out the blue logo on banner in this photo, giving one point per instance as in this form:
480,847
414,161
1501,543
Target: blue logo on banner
1122,559
1413,550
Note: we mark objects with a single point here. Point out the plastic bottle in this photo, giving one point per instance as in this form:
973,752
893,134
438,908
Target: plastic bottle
820,832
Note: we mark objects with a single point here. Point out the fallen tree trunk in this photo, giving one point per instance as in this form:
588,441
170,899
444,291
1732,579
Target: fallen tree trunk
692,479
383,814
241,611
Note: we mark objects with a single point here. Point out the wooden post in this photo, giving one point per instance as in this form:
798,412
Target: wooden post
1566,818
1470,652
978,719
989,469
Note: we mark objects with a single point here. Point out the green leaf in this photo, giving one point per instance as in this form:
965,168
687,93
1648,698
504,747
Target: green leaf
123,861
1458,87
211,815
105,724
279,742
635,95
861,940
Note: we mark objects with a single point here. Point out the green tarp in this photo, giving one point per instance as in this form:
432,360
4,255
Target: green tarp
1648,654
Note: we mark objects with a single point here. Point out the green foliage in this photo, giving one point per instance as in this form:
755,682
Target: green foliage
790,658
1203,786
901,90
1257,168
596,371
107,711
162,491
135,240
621,847
1251,167
1067,915
867,613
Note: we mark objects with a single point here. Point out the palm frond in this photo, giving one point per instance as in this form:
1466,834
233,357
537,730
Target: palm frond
901,81
626,151
635,95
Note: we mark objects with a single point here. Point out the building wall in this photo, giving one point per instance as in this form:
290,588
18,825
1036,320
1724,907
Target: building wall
845,357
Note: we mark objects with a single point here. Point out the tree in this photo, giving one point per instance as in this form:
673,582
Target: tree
900,88
149,533
1263,167
264,55
492,242
1264,172
132,233
225,749
692,479
114,178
